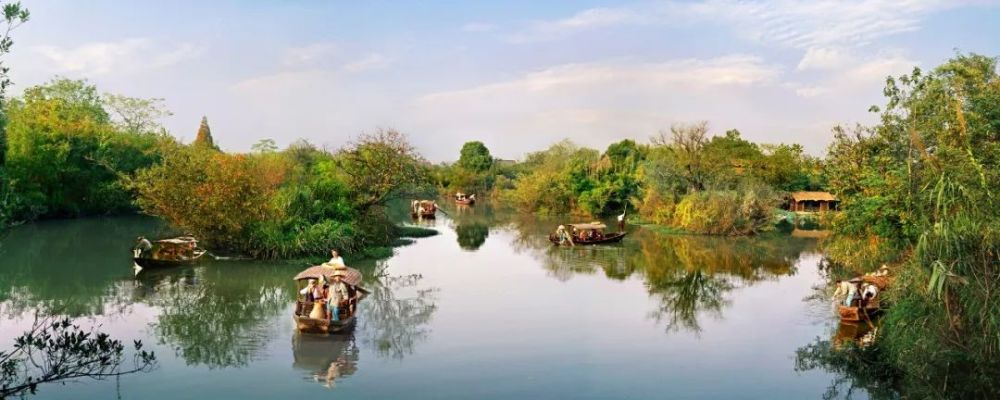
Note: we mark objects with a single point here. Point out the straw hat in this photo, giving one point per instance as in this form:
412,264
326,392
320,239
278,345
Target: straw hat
339,272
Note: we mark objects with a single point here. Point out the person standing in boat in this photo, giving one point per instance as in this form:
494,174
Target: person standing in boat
335,259
143,247
336,295
846,289
309,291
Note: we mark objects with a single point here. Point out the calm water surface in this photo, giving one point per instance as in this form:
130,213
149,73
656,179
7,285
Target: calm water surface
487,309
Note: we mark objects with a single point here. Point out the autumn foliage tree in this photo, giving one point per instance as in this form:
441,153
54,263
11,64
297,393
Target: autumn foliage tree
211,194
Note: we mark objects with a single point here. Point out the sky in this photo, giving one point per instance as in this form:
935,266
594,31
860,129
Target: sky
516,75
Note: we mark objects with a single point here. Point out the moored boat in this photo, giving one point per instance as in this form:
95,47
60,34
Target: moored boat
168,253
311,316
423,209
586,234
858,314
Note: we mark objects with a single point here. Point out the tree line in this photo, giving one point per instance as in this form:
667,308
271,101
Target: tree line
683,178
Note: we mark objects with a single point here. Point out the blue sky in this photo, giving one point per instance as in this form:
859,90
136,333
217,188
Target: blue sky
517,75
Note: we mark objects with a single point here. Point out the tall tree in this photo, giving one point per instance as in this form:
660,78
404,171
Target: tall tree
379,165
13,16
204,138
135,115
475,157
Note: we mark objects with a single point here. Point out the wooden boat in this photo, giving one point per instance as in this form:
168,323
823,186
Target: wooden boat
463,200
319,325
858,314
167,253
593,234
423,209
305,311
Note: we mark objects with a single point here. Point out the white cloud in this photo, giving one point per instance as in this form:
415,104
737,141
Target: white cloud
734,70
867,75
825,58
593,18
368,62
478,27
123,56
811,91
789,23
307,54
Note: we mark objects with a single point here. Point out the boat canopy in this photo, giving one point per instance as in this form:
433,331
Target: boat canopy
589,226
178,240
350,276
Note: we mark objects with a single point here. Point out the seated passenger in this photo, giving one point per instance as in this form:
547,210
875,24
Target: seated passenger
335,259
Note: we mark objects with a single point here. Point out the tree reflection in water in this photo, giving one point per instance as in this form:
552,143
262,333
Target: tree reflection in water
855,370
69,267
395,315
689,276
471,235
686,296
217,317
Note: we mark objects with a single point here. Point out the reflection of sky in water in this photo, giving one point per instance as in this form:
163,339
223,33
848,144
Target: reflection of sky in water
495,312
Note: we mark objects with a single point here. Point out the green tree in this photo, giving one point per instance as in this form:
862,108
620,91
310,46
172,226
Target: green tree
922,183
13,16
66,156
136,115
264,146
475,157
381,166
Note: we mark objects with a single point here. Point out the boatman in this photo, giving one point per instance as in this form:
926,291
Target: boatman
143,246
846,289
336,295
563,236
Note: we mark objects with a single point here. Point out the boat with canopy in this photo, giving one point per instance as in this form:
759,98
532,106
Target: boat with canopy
311,316
423,209
585,234
167,253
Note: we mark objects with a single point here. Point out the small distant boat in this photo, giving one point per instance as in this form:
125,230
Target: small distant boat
169,253
306,311
465,200
589,233
423,209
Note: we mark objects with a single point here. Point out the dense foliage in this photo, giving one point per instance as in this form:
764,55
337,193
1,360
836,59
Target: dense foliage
298,202
66,152
919,193
475,172
714,185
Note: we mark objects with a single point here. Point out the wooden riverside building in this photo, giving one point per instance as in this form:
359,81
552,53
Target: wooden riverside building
812,202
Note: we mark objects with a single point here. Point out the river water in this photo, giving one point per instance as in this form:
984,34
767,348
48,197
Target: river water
487,309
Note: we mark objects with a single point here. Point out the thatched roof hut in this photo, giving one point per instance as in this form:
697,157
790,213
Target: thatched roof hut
812,202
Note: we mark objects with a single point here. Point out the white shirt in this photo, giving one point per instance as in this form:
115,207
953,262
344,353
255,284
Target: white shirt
338,260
